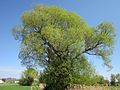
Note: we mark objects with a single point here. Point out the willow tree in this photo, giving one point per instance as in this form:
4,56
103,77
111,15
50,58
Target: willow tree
57,40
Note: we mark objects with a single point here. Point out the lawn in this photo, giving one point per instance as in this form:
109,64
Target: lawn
17,87
14,87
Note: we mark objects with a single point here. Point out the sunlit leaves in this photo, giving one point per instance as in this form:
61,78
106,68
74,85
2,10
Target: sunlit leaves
30,72
56,39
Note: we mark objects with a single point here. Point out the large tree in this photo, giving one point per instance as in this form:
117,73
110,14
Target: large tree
58,40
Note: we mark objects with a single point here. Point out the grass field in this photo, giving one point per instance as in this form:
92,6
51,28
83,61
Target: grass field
14,87
17,87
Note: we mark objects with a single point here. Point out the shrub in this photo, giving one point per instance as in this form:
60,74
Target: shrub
26,81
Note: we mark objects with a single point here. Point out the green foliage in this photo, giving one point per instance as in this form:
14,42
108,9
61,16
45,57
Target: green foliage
57,40
113,78
42,78
30,72
83,72
118,77
35,86
101,80
26,81
28,77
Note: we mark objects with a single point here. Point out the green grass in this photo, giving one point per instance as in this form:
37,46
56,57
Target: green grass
14,87
17,87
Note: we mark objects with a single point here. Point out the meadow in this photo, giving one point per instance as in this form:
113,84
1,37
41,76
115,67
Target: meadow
17,87
13,87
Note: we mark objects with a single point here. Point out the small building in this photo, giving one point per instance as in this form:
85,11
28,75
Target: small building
1,81
16,81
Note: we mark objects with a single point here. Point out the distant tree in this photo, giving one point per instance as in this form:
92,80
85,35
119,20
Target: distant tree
30,72
28,77
3,79
101,80
107,83
57,40
26,81
118,77
113,79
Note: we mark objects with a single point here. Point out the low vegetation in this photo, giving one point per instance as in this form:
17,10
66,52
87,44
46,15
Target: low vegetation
79,87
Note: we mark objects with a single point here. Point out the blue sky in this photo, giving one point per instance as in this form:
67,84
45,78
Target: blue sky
93,11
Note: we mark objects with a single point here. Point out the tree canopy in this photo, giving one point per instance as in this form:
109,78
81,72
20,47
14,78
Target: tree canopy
57,40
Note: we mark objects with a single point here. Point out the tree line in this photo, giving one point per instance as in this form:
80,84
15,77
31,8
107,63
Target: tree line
30,75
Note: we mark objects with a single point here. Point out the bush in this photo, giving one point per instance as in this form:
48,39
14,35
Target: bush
26,81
